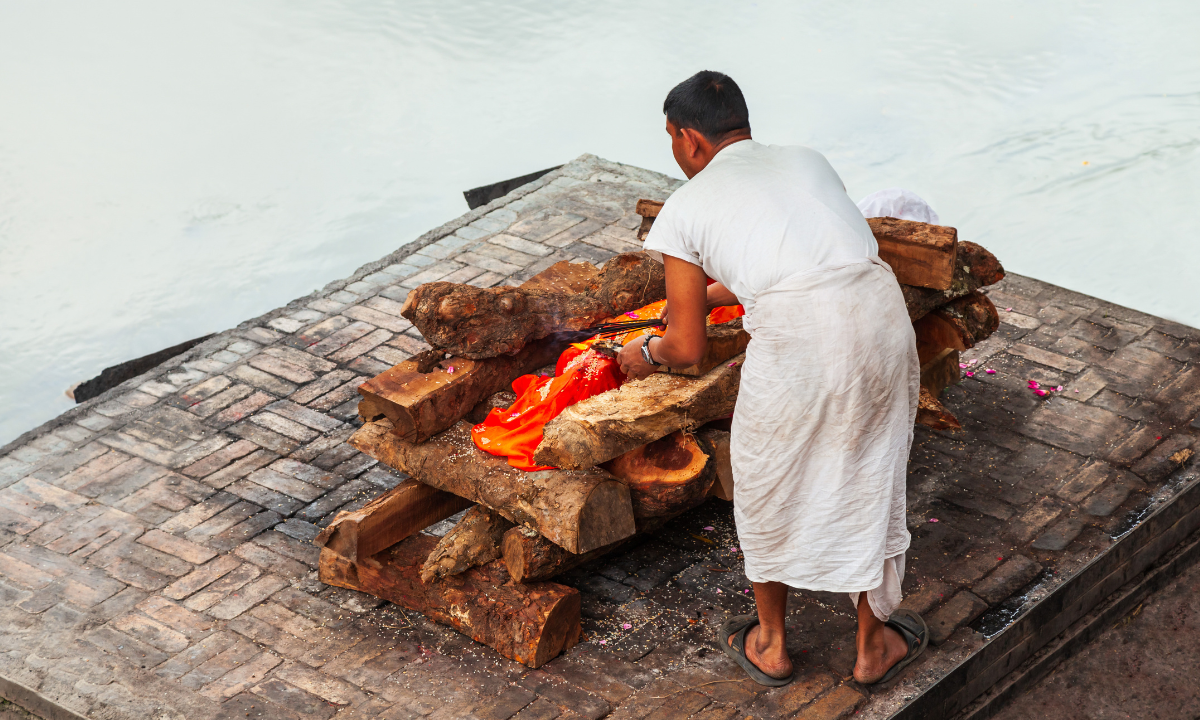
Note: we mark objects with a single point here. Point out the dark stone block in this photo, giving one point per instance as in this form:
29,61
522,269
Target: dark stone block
1014,574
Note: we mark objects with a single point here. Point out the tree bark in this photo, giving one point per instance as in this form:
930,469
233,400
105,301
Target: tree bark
530,557
531,624
613,423
931,413
402,511
486,322
578,509
973,316
474,540
974,267
667,475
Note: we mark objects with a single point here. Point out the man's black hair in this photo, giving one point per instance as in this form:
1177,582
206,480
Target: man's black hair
709,102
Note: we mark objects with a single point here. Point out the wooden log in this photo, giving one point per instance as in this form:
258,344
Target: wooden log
974,267
604,426
931,413
941,372
428,393
973,316
530,557
718,440
529,623
667,475
919,254
648,209
486,322
578,509
474,540
725,340
402,511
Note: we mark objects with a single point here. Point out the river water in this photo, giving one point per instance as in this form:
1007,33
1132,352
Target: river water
169,169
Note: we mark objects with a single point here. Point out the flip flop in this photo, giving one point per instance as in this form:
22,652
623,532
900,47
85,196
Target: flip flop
916,635
737,627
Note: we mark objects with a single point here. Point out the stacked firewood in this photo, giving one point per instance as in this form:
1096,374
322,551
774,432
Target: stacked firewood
624,462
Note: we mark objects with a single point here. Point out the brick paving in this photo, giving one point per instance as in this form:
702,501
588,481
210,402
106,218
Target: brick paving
155,542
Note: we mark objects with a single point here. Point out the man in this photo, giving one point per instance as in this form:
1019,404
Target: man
828,394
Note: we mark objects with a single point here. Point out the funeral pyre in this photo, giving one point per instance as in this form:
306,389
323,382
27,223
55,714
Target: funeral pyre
581,461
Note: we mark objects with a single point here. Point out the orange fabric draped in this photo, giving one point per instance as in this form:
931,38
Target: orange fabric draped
580,373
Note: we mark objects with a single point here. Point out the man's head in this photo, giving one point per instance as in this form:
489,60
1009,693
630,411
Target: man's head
704,113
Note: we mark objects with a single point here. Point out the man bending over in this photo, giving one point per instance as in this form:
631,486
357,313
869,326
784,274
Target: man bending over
828,394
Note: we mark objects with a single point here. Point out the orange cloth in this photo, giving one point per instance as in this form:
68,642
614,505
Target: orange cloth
581,372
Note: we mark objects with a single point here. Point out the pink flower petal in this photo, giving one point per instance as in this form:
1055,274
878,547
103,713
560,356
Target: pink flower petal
718,591
625,626
990,371
603,642
450,369
708,528
1076,390
1058,389
632,315
933,519
745,591
1007,309
1041,393
962,365
1034,384
973,361
969,374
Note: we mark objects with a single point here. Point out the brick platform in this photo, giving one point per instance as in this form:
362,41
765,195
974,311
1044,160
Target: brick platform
155,554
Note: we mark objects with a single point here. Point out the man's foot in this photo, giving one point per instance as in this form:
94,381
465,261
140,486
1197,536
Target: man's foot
875,659
772,660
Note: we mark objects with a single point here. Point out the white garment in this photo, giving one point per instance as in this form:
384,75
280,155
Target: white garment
828,396
898,203
758,214
884,599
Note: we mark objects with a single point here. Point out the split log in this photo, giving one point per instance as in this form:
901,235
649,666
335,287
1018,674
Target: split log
974,267
667,475
931,413
474,540
486,322
402,511
919,254
941,372
578,509
604,426
530,557
718,440
531,624
725,340
429,392
648,209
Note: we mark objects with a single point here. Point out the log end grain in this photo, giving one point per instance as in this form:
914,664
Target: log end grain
666,475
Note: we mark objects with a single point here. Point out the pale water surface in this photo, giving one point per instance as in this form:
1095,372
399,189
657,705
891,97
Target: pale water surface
169,169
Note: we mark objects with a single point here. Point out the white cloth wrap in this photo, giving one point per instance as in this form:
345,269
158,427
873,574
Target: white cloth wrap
822,429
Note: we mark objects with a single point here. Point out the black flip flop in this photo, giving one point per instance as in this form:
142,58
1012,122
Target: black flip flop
737,627
916,635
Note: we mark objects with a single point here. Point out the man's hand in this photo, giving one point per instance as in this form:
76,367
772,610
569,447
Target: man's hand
631,361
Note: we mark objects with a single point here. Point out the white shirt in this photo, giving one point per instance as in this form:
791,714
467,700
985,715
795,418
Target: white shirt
760,213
